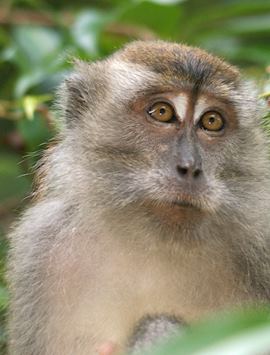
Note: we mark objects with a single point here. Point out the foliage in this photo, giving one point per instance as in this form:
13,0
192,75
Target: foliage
38,40
244,332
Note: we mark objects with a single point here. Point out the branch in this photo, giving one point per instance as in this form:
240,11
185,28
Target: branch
25,17
43,18
133,31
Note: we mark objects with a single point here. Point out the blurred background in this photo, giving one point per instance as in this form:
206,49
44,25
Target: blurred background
39,38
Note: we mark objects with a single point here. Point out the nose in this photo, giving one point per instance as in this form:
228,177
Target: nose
189,170
189,162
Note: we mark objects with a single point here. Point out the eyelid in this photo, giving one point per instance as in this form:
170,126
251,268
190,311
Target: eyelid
160,99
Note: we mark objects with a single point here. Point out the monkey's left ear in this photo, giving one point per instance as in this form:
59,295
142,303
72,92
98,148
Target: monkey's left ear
75,94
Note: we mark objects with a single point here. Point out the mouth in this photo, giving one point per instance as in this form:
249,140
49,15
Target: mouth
188,201
185,204
177,211
175,204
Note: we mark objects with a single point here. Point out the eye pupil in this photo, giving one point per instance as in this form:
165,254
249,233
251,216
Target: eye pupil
162,111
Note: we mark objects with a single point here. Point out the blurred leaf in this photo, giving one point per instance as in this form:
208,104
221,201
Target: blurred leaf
164,2
248,25
37,52
36,44
164,20
13,185
241,333
86,30
205,17
29,80
3,297
34,132
46,78
31,103
4,38
8,54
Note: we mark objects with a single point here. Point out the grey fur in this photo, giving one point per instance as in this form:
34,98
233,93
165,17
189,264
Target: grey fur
153,330
88,258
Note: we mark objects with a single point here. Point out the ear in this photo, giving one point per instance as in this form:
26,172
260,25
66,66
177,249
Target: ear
77,93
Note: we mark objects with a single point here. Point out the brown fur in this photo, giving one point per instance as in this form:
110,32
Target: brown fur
174,60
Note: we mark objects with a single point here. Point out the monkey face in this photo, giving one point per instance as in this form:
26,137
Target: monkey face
186,134
171,150
170,127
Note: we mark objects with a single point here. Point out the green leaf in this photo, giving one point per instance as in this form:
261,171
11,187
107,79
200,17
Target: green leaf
163,20
31,103
249,25
241,333
86,30
8,54
28,80
38,56
3,297
13,184
164,2
36,44
34,132
43,80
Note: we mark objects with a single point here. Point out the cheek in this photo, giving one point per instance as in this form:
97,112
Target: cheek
221,164
132,131
212,161
152,178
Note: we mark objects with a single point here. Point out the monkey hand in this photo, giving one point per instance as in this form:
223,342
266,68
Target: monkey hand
108,348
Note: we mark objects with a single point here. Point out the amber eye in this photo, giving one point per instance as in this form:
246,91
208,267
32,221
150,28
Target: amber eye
212,121
162,111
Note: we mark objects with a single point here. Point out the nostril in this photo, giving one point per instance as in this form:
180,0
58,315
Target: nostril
185,171
196,173
182,170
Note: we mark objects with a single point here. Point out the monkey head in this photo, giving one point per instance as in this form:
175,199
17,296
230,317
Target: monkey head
165,127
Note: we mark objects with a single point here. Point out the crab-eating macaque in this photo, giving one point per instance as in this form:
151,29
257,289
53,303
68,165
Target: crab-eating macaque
154,200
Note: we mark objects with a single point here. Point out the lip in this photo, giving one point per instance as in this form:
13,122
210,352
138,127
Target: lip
185,204
188,202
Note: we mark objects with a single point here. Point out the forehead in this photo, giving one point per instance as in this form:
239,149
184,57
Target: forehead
180,63
130,83
144,68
